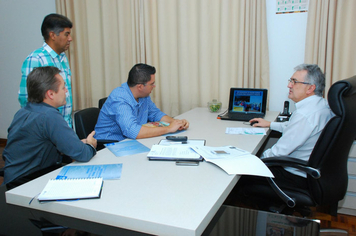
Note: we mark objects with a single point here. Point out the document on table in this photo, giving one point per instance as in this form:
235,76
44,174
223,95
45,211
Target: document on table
234,160
71,189
173,153
126,147
252,131
109,171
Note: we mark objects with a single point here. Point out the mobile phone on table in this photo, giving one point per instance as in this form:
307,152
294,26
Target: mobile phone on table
177,138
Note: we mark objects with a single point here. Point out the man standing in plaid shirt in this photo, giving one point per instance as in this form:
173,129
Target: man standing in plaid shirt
56,31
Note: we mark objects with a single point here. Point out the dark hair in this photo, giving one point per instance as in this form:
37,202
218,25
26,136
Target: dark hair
314,76
39,81
140,74
56,23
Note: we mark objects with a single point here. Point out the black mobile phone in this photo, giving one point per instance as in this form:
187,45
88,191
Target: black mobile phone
286,108
177,138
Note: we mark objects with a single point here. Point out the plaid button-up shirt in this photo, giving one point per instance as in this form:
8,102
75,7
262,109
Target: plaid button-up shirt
46,56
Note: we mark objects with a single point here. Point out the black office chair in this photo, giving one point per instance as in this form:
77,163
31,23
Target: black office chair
85,121
326,169
2,168
101,102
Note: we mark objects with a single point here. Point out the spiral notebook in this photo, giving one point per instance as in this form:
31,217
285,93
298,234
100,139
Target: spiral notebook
71,189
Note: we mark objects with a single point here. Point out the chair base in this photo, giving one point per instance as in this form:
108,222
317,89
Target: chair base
265,204
284,209
333,232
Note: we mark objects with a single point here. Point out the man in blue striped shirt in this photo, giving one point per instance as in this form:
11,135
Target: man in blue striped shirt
129,106
56,31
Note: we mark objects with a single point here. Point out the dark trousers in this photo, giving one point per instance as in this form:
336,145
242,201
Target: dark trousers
283,179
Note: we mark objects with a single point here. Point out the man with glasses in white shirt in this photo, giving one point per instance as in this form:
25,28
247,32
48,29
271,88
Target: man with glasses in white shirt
299,134
304,127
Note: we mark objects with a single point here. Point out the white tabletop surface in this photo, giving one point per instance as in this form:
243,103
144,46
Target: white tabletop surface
155,197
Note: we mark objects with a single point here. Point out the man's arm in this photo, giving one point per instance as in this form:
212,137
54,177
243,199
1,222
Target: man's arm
174,126
28,65
277,126
168,119
148,132
91,140
155,114
294,136
66,140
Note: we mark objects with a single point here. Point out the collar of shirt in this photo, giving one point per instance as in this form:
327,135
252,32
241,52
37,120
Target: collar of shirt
52,53
38,105
132,100
305,101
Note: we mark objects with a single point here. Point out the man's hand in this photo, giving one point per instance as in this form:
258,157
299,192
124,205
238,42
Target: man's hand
260,122
90,139
185,124
175,125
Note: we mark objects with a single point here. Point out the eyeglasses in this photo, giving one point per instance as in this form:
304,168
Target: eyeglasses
144,84
294,81
152,84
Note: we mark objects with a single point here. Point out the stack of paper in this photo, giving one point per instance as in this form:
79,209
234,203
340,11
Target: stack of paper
173,153
176,151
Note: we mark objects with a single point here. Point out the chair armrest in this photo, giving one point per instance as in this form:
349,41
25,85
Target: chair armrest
105,141
286,161
285,198
101,142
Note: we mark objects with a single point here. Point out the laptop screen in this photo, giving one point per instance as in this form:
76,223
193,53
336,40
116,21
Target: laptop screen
246,100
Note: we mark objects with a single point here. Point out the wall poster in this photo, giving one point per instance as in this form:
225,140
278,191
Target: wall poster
291,6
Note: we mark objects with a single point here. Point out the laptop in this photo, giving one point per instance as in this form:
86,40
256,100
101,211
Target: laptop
246,104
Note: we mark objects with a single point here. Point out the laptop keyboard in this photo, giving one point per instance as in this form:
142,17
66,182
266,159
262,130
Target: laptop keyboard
245,117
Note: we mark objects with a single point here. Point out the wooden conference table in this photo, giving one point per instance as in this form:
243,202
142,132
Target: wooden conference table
154,197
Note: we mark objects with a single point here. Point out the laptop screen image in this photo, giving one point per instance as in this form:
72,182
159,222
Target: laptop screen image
246,103
246,100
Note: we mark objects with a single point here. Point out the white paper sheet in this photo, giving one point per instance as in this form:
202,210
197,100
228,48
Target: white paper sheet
236,161
173,152
250,131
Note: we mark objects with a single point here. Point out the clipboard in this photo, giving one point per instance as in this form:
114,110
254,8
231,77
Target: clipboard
168,150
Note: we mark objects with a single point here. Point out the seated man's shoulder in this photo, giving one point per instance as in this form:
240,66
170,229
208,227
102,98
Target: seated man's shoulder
44,111
119,94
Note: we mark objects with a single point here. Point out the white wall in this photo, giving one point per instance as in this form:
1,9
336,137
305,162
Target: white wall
286,44
20,34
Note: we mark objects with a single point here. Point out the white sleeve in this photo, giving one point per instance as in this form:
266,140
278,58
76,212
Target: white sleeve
294,135
279,126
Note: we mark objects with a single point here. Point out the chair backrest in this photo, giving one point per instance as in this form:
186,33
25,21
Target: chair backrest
101,102
85,121
330,154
